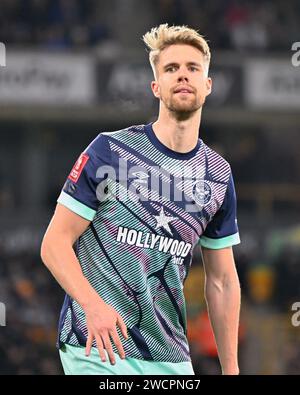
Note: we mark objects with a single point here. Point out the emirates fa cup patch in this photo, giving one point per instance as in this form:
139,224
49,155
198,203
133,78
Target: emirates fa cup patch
78,167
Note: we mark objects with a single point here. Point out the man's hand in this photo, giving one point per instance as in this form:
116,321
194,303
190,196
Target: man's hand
102,320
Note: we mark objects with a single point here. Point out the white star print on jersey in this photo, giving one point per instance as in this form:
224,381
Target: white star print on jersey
163,220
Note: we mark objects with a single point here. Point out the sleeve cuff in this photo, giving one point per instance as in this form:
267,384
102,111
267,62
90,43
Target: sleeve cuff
75,206
223,242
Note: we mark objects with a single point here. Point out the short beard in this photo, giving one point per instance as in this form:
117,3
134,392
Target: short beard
182,114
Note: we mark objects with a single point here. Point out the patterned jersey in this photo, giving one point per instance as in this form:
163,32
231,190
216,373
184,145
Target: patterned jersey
148,206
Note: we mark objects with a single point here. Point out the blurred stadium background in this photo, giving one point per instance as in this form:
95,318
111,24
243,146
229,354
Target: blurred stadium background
75,68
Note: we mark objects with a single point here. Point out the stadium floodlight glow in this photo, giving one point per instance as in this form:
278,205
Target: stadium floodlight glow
2,55
2,314
296,55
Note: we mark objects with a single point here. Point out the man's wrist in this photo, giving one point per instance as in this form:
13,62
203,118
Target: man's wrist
231,371
91,301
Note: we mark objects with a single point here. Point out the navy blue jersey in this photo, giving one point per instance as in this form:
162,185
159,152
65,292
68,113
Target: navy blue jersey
148,206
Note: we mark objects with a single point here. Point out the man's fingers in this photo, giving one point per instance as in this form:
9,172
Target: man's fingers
122,326
100,348
115,337
108,348
89,343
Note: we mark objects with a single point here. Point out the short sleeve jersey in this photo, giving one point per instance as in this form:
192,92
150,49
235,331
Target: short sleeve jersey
148,206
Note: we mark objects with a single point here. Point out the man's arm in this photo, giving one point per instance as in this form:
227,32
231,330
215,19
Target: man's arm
59,257
223,297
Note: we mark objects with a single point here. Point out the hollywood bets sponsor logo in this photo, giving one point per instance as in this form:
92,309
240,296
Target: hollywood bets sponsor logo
179,249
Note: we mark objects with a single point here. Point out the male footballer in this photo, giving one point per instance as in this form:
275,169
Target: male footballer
121,239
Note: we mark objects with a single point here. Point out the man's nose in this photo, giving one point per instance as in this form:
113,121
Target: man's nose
182,76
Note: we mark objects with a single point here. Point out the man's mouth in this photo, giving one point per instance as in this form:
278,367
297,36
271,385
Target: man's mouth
183,90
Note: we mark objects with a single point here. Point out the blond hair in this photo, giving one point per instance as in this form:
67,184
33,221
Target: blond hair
159,38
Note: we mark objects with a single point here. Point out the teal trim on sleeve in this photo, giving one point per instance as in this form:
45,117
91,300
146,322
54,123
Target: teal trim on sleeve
75,206
217,244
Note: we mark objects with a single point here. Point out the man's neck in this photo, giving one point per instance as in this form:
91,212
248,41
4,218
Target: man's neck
178,135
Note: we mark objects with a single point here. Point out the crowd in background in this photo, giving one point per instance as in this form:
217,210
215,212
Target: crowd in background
31,298
52,24
228,24
236,24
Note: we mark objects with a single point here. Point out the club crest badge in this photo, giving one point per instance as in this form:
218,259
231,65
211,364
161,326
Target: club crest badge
202,193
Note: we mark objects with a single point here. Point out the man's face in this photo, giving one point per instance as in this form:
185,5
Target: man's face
182,83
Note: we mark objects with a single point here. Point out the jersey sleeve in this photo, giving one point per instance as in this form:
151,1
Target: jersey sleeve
80,192
222,231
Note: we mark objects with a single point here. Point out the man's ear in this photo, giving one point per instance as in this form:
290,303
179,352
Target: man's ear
209,85
155,89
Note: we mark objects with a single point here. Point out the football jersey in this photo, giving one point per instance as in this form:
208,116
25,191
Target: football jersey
148,206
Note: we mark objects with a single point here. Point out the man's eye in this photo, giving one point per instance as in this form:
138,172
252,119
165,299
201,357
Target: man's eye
173,68
193,68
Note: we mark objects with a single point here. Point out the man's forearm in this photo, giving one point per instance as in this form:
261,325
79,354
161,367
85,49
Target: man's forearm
223,301
59,257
